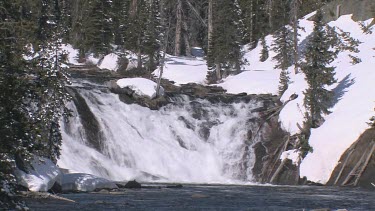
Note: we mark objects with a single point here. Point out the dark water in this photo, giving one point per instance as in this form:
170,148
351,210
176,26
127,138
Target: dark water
207,197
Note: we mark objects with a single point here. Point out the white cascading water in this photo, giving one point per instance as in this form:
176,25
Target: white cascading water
165,145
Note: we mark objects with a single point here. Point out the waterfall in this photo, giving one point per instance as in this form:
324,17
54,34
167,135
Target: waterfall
189,140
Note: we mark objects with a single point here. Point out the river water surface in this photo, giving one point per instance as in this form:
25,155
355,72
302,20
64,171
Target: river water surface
216,197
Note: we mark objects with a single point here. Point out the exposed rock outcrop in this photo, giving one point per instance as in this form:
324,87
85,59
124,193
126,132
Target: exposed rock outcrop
357,165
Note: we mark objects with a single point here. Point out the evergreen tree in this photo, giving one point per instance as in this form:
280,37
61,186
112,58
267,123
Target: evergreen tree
372,121
225,54
283,82
15,129
120,20
99,35
152,36
318,56
49,95
137,22
92,27
283,47
264,54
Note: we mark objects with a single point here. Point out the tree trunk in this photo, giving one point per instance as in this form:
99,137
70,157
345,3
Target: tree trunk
186,38
251,27
177,47
133,8
210,24
270,13
295,7
139,55
218,71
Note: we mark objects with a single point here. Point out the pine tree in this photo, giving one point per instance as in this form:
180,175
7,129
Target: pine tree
120,17
372,121
264,54
318,56
137,23
49,93
283,47
99,35
15,129
225,54
295,8
152,36
283,82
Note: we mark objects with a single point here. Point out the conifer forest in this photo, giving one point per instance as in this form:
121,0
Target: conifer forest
36,82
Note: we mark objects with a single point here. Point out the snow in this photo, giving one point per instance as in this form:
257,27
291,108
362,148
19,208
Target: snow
292,155
183,70
355,106
85,183
42,177
109,62
253,82
72,53
141,86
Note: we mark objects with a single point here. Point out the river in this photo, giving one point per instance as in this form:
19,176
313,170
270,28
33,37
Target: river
216,197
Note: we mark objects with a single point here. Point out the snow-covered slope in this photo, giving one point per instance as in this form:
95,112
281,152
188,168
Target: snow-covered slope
355,105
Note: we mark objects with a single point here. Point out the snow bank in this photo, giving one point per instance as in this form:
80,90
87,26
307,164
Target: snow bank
109,62
253,82
355,105
85,183
42,177
71,52
292,155
140,86
183,70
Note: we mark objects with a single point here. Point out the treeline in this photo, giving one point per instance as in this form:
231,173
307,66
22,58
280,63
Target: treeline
146,27
32,87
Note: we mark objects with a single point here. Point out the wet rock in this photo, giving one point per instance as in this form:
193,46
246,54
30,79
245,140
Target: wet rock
174,186
349,160
56,188
91,125
133,185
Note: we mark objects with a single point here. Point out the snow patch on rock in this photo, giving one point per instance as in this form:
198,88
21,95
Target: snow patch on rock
140,86
110,62
41,177
293,155
80,182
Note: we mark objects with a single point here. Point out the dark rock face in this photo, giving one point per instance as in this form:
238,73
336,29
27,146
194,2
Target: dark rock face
174,186
89,122
56,188
133,184
358,159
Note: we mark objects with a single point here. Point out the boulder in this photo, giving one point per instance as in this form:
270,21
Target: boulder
80,182
41,176
133,184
